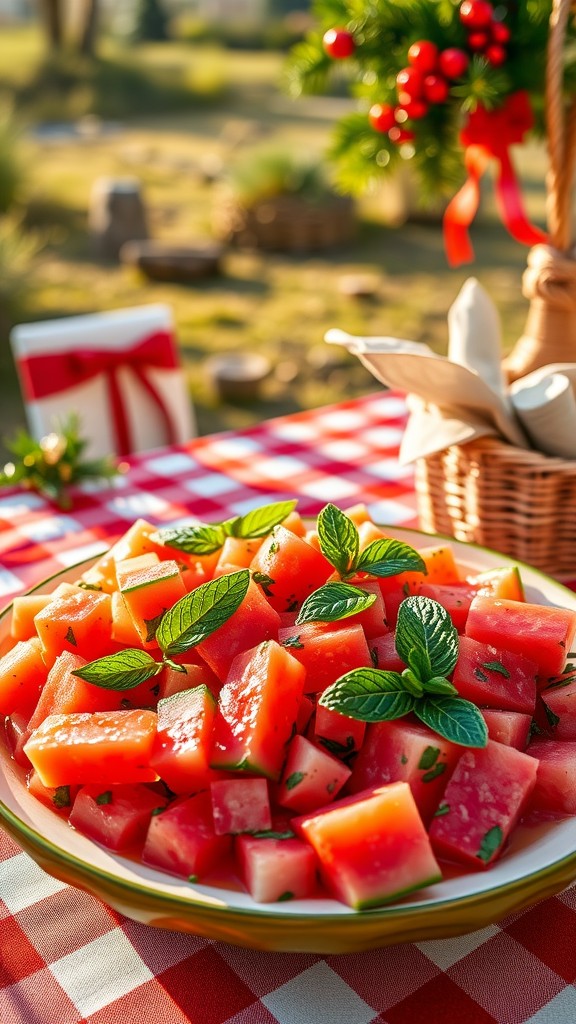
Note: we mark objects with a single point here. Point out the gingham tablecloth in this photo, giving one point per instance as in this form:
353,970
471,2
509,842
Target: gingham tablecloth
65,958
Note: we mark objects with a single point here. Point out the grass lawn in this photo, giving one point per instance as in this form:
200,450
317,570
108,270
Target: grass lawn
277,304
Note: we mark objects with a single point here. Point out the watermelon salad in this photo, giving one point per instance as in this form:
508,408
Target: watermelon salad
293,708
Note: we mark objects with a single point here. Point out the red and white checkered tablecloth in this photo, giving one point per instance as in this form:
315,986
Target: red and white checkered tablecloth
65,958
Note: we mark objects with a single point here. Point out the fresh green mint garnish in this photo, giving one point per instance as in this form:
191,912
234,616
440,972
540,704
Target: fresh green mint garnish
70,638
295,779
152,626
264,581
334,601
207,538
269,833
201,612
491,842
61,796
442,810
340,545
434,772
285,896
292,641
194,617
104,798
428,642
496,666
429,757
121,671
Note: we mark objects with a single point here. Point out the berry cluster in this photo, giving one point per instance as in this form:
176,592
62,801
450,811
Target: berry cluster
430,71
486,35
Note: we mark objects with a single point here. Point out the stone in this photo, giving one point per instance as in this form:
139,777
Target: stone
117,215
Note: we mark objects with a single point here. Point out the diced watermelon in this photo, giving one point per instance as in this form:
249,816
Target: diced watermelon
182,744
252,623
276,870
24,611
384,654
23,673
372,847
288,569
495,677
240,805
117,817
182,839
172,681
555,790
80,622
337,733
258,710
543,633
405,751
64,693
505,582
456,598
326,650
483,800
509,727
57,798
311,777
373,620
106,747
148,593
561,703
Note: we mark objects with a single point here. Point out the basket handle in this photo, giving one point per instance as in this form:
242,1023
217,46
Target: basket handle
561,133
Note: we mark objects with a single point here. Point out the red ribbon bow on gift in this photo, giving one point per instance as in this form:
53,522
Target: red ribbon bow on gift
48,373
489,134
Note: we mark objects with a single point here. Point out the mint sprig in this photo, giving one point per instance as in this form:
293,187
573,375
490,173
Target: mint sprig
121,671
207,538
428,642
193,618
340,544
334,601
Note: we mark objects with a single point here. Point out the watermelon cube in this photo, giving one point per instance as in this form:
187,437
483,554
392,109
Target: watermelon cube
311,777
543,632
326,650
405,751
118,817
495,677
555,790
482,803
372,847
561,702
240,805
508,727
182,839
182,742
275,870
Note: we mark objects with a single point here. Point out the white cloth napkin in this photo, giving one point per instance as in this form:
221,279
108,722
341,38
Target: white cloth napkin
457,398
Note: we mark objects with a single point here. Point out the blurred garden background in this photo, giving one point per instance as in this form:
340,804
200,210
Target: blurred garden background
190,99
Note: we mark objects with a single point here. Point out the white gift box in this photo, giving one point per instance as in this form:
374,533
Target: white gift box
118,371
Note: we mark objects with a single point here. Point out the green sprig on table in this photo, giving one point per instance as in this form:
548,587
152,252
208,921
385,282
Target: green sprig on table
53,463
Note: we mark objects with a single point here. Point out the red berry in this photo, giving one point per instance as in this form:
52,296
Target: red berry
453,62
478,41
423,55
400,135
436,89
495,54
416,109
411,81
338,43
500,33
476,13
382,117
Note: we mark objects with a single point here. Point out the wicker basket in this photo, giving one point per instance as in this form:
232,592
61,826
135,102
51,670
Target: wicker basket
523,503
489,493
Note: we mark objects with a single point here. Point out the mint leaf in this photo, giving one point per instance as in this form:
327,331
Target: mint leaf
152,625
334,601
368,695
203,539
70,638
455,719
121,671
442,810
269,833
429,757
443,687
295,779
434,772
104,798
388,557
338,538
496,666
61,796
201,612
292,641
491,842
426,625
419,661
264,581
260,521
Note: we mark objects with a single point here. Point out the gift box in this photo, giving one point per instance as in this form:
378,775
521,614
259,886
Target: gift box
118,371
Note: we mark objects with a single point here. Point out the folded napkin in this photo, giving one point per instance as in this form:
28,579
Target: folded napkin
457,398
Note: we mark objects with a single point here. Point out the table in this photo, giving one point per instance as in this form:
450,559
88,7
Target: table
65,958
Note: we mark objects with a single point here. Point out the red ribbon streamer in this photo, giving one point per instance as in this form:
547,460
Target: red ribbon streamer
49,373
487,135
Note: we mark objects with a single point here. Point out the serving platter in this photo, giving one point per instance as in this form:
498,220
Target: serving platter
540,861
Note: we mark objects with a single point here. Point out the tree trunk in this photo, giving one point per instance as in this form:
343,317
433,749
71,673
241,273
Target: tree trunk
89,27
51,15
